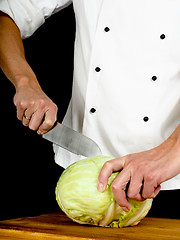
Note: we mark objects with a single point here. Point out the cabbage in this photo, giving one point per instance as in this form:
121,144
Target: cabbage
78,197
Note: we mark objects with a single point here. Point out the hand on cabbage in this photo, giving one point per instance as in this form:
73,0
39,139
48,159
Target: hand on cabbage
78,197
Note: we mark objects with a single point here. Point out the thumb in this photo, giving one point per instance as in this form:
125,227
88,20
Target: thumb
108,168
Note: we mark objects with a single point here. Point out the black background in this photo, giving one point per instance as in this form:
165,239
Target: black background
28,173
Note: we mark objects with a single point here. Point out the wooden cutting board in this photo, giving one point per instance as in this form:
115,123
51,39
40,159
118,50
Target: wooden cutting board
57,226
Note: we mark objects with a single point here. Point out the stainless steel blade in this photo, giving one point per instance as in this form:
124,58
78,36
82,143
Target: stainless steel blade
72,141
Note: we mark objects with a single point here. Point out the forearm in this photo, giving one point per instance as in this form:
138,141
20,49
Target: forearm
34,108
12,56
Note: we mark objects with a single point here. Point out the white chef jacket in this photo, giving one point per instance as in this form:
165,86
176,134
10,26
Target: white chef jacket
126,89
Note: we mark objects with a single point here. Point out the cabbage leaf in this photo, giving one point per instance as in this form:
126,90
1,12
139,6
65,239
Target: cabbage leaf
78,197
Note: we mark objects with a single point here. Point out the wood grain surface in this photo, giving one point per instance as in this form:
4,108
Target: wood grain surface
58,226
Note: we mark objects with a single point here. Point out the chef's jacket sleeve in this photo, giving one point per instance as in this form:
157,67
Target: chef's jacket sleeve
31,14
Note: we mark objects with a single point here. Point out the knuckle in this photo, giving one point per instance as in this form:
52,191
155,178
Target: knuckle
115,187
149,178
55,107
148,195
131,195
21,104
108,165
49,123
15,101
41,103
135,196
31,103
25,105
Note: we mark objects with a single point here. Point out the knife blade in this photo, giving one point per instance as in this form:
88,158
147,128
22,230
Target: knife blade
72,141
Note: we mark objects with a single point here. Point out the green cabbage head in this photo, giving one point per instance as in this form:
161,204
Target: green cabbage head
78,197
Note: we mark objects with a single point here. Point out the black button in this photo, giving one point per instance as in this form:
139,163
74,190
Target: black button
97,69
162,36
106,29
154,78
93,110
146,119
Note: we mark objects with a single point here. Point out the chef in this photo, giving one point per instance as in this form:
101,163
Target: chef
126,87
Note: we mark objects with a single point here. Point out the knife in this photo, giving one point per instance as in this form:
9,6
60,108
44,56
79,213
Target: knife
72,141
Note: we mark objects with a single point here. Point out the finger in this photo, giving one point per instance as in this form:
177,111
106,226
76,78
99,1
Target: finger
135,187
108,168
26,120
150,190
36,120
24,108
50,119
157,190
151,186
28,116
118,188
20,113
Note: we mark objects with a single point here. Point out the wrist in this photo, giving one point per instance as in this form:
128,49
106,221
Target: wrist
175,136
171,143
175,149
22,80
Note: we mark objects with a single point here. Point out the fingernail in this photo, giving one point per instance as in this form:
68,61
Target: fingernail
39,132
125,209
101,187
